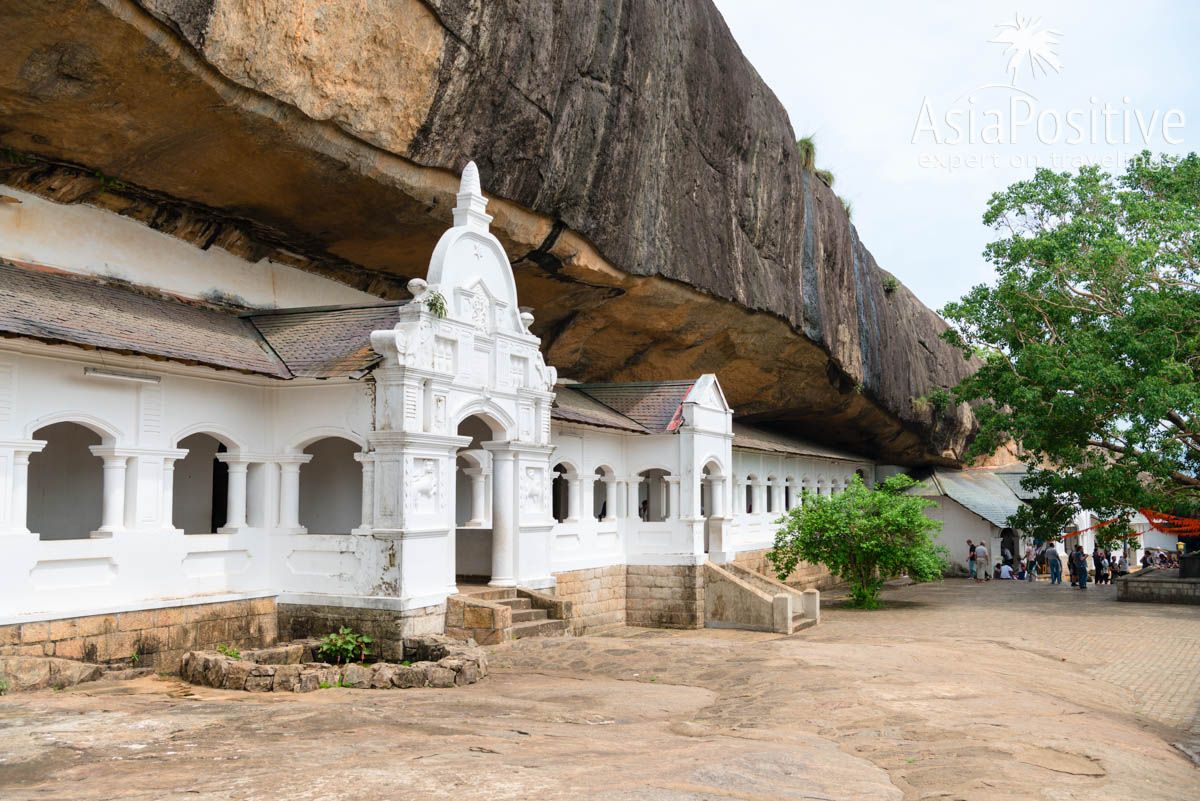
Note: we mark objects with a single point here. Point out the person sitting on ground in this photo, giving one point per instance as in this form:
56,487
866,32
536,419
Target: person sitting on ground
1004,572
1122,566
1022,573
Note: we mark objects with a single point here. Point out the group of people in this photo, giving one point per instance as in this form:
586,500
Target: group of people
1163,559
1081,566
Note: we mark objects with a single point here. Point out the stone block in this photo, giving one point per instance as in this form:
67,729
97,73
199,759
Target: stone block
34,632
182,636
136,621
310,680
438,676
406,676
356,676
9,635
287,678
262,606
210,633
236,673
215,668
479,617
381,675
69,649
260,684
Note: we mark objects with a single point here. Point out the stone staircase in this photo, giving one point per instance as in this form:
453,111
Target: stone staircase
529,614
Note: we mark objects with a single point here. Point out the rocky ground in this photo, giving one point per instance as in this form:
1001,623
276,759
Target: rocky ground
956,691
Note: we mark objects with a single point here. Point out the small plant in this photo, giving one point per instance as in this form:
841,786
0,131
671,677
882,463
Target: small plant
135,657
808,152
848,206
436,303
3,686
858,388
229,651
939,399
826,177
920,405
890,284
344,646
324,685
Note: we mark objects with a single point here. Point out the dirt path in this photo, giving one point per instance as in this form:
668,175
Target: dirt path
956,691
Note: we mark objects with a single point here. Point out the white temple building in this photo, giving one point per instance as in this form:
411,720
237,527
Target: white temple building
319,449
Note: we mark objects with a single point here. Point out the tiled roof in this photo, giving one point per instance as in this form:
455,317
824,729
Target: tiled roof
657,405
758,439
62,307
323,343
980,491
572,406
59,307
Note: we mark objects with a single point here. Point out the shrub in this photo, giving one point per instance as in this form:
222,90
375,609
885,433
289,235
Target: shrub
863,536
890,284
344,646
229,651
3,685
826,176
808,152
436,303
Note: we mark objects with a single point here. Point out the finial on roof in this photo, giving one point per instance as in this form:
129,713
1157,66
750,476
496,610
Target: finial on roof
472,205
470,180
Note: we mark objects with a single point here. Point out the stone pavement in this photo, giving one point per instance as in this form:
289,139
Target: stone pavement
956,691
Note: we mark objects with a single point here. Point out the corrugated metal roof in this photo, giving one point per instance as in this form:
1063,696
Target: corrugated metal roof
980,491
758,439
1012,476
657,405
572,406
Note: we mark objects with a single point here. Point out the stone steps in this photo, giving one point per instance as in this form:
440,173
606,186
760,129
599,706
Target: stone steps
515,604
800,622
526,615
539,628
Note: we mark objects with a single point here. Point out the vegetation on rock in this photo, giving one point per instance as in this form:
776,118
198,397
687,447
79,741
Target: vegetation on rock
864,536
1091,338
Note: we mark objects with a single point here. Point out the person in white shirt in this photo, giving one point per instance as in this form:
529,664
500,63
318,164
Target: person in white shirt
1006,572
981,563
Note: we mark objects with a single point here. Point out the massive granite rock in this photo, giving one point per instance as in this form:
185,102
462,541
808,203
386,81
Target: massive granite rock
644,180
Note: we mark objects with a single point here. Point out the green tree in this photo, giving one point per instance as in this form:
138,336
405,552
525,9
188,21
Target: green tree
1090,335
864,536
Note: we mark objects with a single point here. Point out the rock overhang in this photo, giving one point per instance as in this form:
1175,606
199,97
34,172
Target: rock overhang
659,234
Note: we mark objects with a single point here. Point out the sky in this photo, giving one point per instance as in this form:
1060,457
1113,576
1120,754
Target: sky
883,85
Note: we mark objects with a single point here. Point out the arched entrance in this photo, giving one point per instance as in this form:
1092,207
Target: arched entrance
474,506
201,490
331,487
66,483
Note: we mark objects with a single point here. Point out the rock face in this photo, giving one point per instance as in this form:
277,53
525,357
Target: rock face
645,180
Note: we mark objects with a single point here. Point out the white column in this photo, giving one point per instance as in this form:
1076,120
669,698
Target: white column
367,461
716,497
610,499
671,510
167,507
18,519
503,519
478,496
739,496
574,498
289,493
760,498
631,497
112,515
235,515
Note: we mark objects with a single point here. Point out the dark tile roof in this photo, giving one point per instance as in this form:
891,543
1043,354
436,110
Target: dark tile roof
323,343
657,405
59,307
572,406
758,439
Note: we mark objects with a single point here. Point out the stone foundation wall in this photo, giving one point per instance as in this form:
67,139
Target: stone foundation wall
1158,586
804,577
387,627
158,637
664,596
597,597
